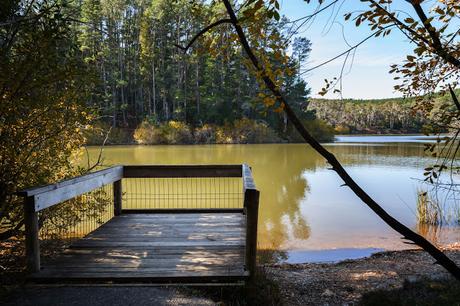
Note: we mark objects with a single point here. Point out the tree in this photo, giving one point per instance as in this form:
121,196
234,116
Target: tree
260,65
42,90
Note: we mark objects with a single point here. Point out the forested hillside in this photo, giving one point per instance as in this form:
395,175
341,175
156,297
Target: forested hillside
379,116
140,75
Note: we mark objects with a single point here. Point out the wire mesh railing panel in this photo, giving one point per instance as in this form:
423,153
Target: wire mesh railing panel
63,223
183,193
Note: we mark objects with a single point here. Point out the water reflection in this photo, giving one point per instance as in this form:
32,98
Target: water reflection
303,206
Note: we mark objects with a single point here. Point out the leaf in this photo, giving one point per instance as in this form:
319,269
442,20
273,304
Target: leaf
409,20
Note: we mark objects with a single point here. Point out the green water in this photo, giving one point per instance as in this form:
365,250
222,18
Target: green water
302,206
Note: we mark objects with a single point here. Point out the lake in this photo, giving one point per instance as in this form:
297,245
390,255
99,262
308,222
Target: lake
303,209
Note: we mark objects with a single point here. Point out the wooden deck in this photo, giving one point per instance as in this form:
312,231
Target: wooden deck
201,241
161,248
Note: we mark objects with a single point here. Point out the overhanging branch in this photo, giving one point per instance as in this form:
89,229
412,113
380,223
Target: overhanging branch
202,32
407,233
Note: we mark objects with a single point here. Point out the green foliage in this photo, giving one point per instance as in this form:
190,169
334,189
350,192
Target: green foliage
42,85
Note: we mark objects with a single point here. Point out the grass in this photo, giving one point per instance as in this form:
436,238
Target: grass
423,292
428,209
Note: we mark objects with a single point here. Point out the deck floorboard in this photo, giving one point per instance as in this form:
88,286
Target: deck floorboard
192,247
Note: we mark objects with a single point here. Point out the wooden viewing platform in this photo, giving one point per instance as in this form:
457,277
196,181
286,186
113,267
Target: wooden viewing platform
203,244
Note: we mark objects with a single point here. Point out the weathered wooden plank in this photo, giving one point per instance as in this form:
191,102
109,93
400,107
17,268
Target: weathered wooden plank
171,220
151,262
172,234
104,244
248,181
198,223
170,171
183,228
36,190
181,210
172,239
145,257
171,267
168,237
190,216
140,251
162,236
159,222
62,192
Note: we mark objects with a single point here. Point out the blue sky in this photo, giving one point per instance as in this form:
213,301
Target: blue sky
369,77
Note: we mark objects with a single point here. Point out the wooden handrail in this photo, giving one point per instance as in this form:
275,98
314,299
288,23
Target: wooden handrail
47,196
172,171
36,190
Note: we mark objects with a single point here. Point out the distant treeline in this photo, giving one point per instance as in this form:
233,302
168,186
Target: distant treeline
377,116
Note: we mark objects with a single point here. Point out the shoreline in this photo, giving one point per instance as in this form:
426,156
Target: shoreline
265,143
347,281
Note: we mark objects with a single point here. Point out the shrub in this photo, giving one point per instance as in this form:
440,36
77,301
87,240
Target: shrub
171,132
319,129
146,133
98,133
205,134
177,132
342,129
251,131
246,131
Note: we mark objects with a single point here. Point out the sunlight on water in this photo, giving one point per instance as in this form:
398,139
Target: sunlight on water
302,205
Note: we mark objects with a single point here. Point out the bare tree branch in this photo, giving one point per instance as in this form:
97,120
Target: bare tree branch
202,32
348,50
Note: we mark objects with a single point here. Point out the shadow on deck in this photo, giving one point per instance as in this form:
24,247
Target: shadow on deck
156,248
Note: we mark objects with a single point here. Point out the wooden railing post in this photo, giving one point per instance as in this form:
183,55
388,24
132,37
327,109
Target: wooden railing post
32,241
117,195
251,206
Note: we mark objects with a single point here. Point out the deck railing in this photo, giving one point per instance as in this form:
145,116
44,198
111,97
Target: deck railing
96,197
